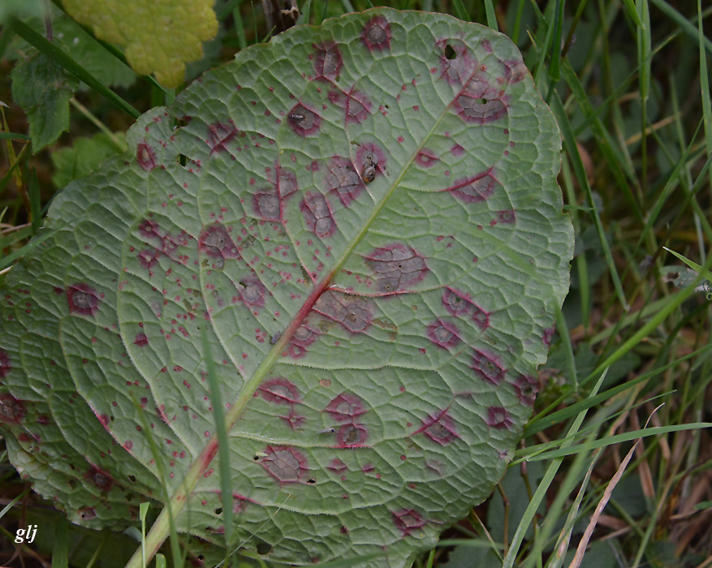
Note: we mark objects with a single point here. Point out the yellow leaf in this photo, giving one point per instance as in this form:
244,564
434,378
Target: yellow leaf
159,36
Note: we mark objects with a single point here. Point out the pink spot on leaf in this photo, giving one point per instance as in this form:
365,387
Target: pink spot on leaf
336,465
439,427
351,435
526,388
479,103
100,478
266,205
252,291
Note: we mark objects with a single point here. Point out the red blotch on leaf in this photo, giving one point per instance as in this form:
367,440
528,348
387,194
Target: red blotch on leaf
526,388
12,411
278,390
284,464
252,291
336,465
303,337
407,520
345,407
82,299
376,34
443,334
145,156
267,205
327,60
396,267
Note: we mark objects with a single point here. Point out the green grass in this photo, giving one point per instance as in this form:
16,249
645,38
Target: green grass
617,454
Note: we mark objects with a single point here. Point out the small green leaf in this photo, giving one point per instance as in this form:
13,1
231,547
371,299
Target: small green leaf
83,157
43,89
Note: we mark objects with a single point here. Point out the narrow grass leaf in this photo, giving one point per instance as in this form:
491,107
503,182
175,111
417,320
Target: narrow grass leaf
685,26
491,15
51,50
60,543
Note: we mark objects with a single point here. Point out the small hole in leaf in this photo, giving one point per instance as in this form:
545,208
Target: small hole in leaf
263,547
450,53
182,159
218,510
483,101
256,458
311,481
132,478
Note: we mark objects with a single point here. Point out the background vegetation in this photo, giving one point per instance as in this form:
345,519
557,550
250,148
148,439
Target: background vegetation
620,421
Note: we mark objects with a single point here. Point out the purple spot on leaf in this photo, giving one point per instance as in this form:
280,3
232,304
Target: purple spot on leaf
353,313
407,520
498,417
457,150
345,407
82,299
279,390
284,464
141,339
5,365
303,120
303,337
327,60
12,411
396,267
145,156
317,215
286,182
342,178
101,479
487,366
376,34
443,334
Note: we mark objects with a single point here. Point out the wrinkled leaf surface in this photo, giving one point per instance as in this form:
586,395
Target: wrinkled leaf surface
364,220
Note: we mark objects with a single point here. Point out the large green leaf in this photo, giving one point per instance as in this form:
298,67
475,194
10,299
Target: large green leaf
363,220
